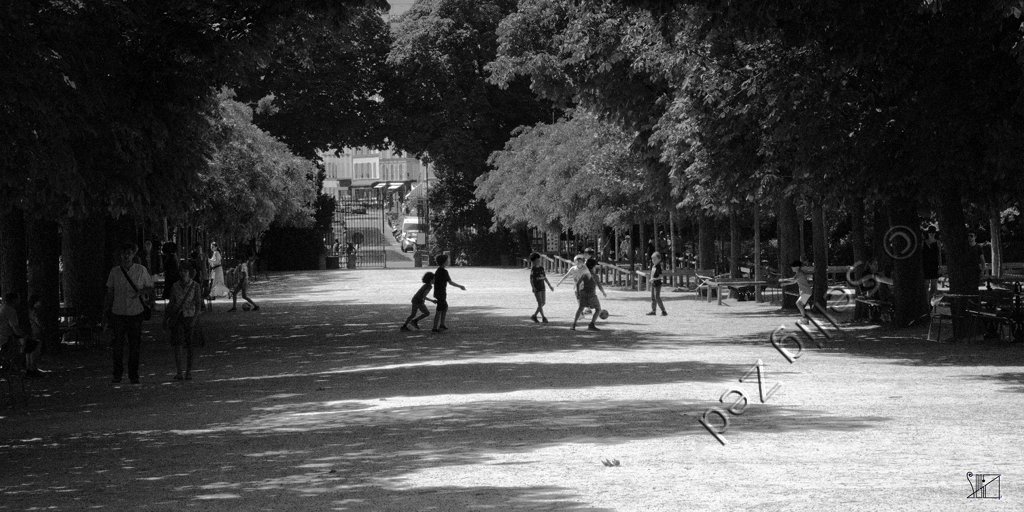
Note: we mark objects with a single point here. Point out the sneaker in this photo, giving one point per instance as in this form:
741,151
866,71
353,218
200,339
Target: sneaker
444,327
404,328
652,313
416,325
534,318
545,320
592,327
573,328
664,313
232,310
255,308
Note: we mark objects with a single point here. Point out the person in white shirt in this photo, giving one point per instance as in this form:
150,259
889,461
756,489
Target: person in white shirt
575,272
129,292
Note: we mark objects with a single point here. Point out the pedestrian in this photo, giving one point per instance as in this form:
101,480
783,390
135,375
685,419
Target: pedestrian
170,265
34,343
931,251
655,284
587,287
801,276
201,270
575,271
538,279
419,303
181,317
441,282
11,348
129,295
242,285
217,286
147,259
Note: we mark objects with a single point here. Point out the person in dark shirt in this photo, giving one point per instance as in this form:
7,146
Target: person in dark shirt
930,259
419,303
655,279
537,280
441,282
587,287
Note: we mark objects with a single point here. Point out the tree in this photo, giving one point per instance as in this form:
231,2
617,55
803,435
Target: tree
253,179
440,104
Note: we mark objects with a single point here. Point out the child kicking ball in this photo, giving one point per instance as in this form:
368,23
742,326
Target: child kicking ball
587,287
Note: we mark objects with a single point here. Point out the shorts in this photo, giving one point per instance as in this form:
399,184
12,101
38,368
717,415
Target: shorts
420,307
590,301
541,296
803,298
442,303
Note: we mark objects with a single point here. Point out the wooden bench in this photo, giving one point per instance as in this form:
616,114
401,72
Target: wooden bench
733,284
880,309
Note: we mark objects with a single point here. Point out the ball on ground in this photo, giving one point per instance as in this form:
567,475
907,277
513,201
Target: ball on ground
604,314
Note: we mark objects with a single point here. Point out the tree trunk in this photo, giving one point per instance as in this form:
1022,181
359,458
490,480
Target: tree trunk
44,277
85,264
995,227
910,294
964,274
819,245
13,270
734,242
706,242
789,243
857,233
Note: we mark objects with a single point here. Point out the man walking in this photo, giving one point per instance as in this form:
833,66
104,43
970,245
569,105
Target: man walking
129,294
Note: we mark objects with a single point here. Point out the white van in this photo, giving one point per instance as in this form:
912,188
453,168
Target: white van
413,232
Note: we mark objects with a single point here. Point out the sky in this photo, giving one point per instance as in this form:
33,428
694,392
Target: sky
400,6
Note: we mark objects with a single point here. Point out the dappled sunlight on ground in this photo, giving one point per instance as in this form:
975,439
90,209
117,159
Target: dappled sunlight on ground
318,402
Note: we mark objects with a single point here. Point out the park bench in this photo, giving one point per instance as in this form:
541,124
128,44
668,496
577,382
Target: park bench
733,284
880,310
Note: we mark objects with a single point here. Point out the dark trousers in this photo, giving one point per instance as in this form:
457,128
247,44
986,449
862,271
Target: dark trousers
126,328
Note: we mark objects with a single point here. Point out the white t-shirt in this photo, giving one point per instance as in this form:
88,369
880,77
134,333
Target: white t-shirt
126,300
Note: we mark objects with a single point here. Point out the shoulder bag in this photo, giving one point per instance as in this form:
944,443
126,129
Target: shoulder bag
147,312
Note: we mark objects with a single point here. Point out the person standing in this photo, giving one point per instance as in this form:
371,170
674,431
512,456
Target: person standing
10,331
538,278
170,264
147,259
931,251
655,280
181,316
217,286
441,282
201,267
977,252
129,292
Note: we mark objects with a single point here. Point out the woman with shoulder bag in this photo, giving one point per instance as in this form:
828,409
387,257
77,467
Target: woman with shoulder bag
181,318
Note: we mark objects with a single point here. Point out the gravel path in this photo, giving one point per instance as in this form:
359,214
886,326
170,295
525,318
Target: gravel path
318,402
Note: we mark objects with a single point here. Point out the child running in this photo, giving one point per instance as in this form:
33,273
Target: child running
419,303
586,288
441,281
574,272
656,285
538,279
801,278
242,287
